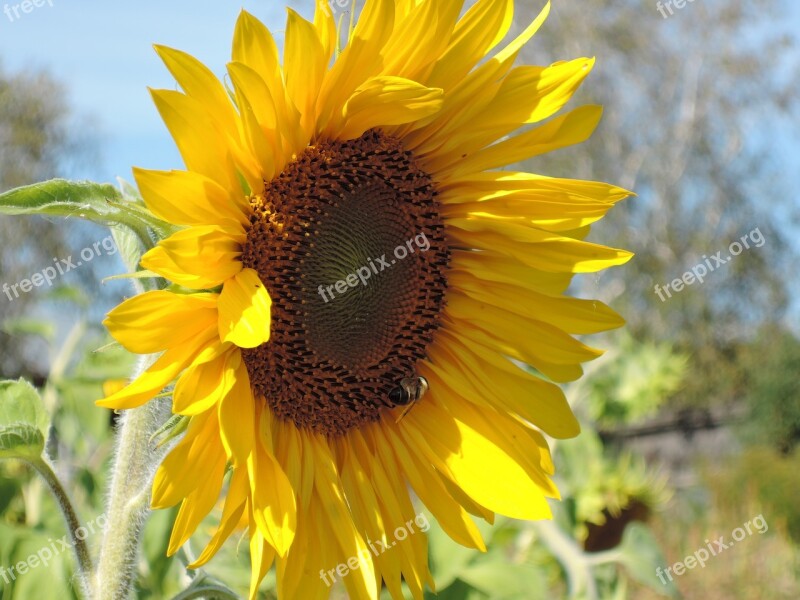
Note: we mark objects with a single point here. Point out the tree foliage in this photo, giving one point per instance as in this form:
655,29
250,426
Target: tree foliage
40,138
695,105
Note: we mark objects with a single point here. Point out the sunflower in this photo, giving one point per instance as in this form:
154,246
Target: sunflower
364,303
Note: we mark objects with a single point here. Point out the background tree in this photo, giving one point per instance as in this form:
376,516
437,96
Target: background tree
695,105
40,138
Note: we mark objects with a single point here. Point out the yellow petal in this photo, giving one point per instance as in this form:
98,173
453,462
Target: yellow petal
325,25
360,583
364,504
183,468
187,198
237,414
154,321
386,100
202,146
260,123
527,95
499,184
199,258
536,248
492,266
244,310
539,341
389,483
262,555
274,505
502,384
198,504
476,464
360,60
254,46
305,60
204,384
470,95
573,315
479,30
235,504
412,49
452,517
202,85
530,94
511,436
162,372
572,128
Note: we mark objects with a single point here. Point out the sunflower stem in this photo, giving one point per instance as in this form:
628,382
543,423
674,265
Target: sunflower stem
82,555
128,503
578,570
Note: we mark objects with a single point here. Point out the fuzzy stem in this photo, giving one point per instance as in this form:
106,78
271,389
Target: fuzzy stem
578,570
82,555
128,504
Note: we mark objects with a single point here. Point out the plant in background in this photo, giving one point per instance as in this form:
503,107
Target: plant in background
300,174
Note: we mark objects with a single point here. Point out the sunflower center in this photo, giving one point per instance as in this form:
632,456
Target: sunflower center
350,244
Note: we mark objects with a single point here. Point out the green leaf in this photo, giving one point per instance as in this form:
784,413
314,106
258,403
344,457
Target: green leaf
23,421
101,203
641,556
499,579
34,564
43,329
448,558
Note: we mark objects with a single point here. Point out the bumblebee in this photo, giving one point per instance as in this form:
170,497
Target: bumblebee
410,391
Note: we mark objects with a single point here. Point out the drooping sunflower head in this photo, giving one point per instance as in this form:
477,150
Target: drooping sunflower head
366,282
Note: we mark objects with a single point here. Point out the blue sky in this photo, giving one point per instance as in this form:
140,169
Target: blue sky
104,50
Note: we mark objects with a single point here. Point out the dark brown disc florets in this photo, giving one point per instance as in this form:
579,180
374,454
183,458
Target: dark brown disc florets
351,246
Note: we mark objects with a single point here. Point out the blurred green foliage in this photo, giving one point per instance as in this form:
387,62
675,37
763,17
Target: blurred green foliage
772,392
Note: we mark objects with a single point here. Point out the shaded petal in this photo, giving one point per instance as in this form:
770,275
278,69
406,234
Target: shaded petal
262,555
536,248
388,100
235,505
274,505
237,414
184,467
422,477
199,258
361,59
305,61
477,32
204,384
572,128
